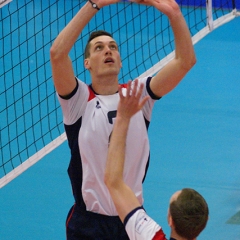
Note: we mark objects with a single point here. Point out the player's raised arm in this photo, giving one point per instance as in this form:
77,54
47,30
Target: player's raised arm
167,78
62,70
123,197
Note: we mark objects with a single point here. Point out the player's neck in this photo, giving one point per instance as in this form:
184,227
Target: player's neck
106,86
175,236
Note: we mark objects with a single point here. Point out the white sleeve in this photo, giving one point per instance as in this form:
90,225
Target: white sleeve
75,104
147,108
140,226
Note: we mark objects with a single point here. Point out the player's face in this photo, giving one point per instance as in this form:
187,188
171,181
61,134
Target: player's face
104,56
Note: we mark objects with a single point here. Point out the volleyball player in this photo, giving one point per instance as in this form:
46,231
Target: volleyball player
89,113
188,211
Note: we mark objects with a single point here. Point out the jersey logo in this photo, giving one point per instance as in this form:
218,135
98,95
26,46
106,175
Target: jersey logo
141,223
98,105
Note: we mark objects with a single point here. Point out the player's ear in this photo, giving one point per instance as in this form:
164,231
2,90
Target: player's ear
170,220
87,63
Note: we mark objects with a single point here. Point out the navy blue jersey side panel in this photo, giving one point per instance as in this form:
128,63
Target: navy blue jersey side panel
75,165
148,161
147,165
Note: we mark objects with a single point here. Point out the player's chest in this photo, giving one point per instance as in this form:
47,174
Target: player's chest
100,113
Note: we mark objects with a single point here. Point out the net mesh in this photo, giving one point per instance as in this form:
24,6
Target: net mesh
30,114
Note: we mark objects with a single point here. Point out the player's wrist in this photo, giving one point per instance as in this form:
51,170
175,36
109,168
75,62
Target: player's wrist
175,13
123,119
94,4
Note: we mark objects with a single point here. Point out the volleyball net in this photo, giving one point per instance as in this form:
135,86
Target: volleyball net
30,116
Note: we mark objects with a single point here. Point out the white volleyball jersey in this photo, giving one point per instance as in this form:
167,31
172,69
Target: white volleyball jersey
88,120
139,226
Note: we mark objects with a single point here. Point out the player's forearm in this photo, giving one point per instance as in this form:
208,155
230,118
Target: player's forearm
69,35
184,50
116,153
123,197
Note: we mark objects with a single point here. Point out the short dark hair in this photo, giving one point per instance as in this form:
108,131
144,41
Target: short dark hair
189,213
91,37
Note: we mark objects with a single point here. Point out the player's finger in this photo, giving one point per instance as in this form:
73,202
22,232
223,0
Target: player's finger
128,88
135,88
140,90
120,91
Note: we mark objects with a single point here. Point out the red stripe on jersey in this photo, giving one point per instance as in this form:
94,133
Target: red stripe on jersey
124,85
91,94
70,216
159,235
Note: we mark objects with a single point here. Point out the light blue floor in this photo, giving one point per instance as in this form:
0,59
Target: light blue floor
195,136
195,142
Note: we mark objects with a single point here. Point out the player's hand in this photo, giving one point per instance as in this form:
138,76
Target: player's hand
167,7
103,3
132,102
